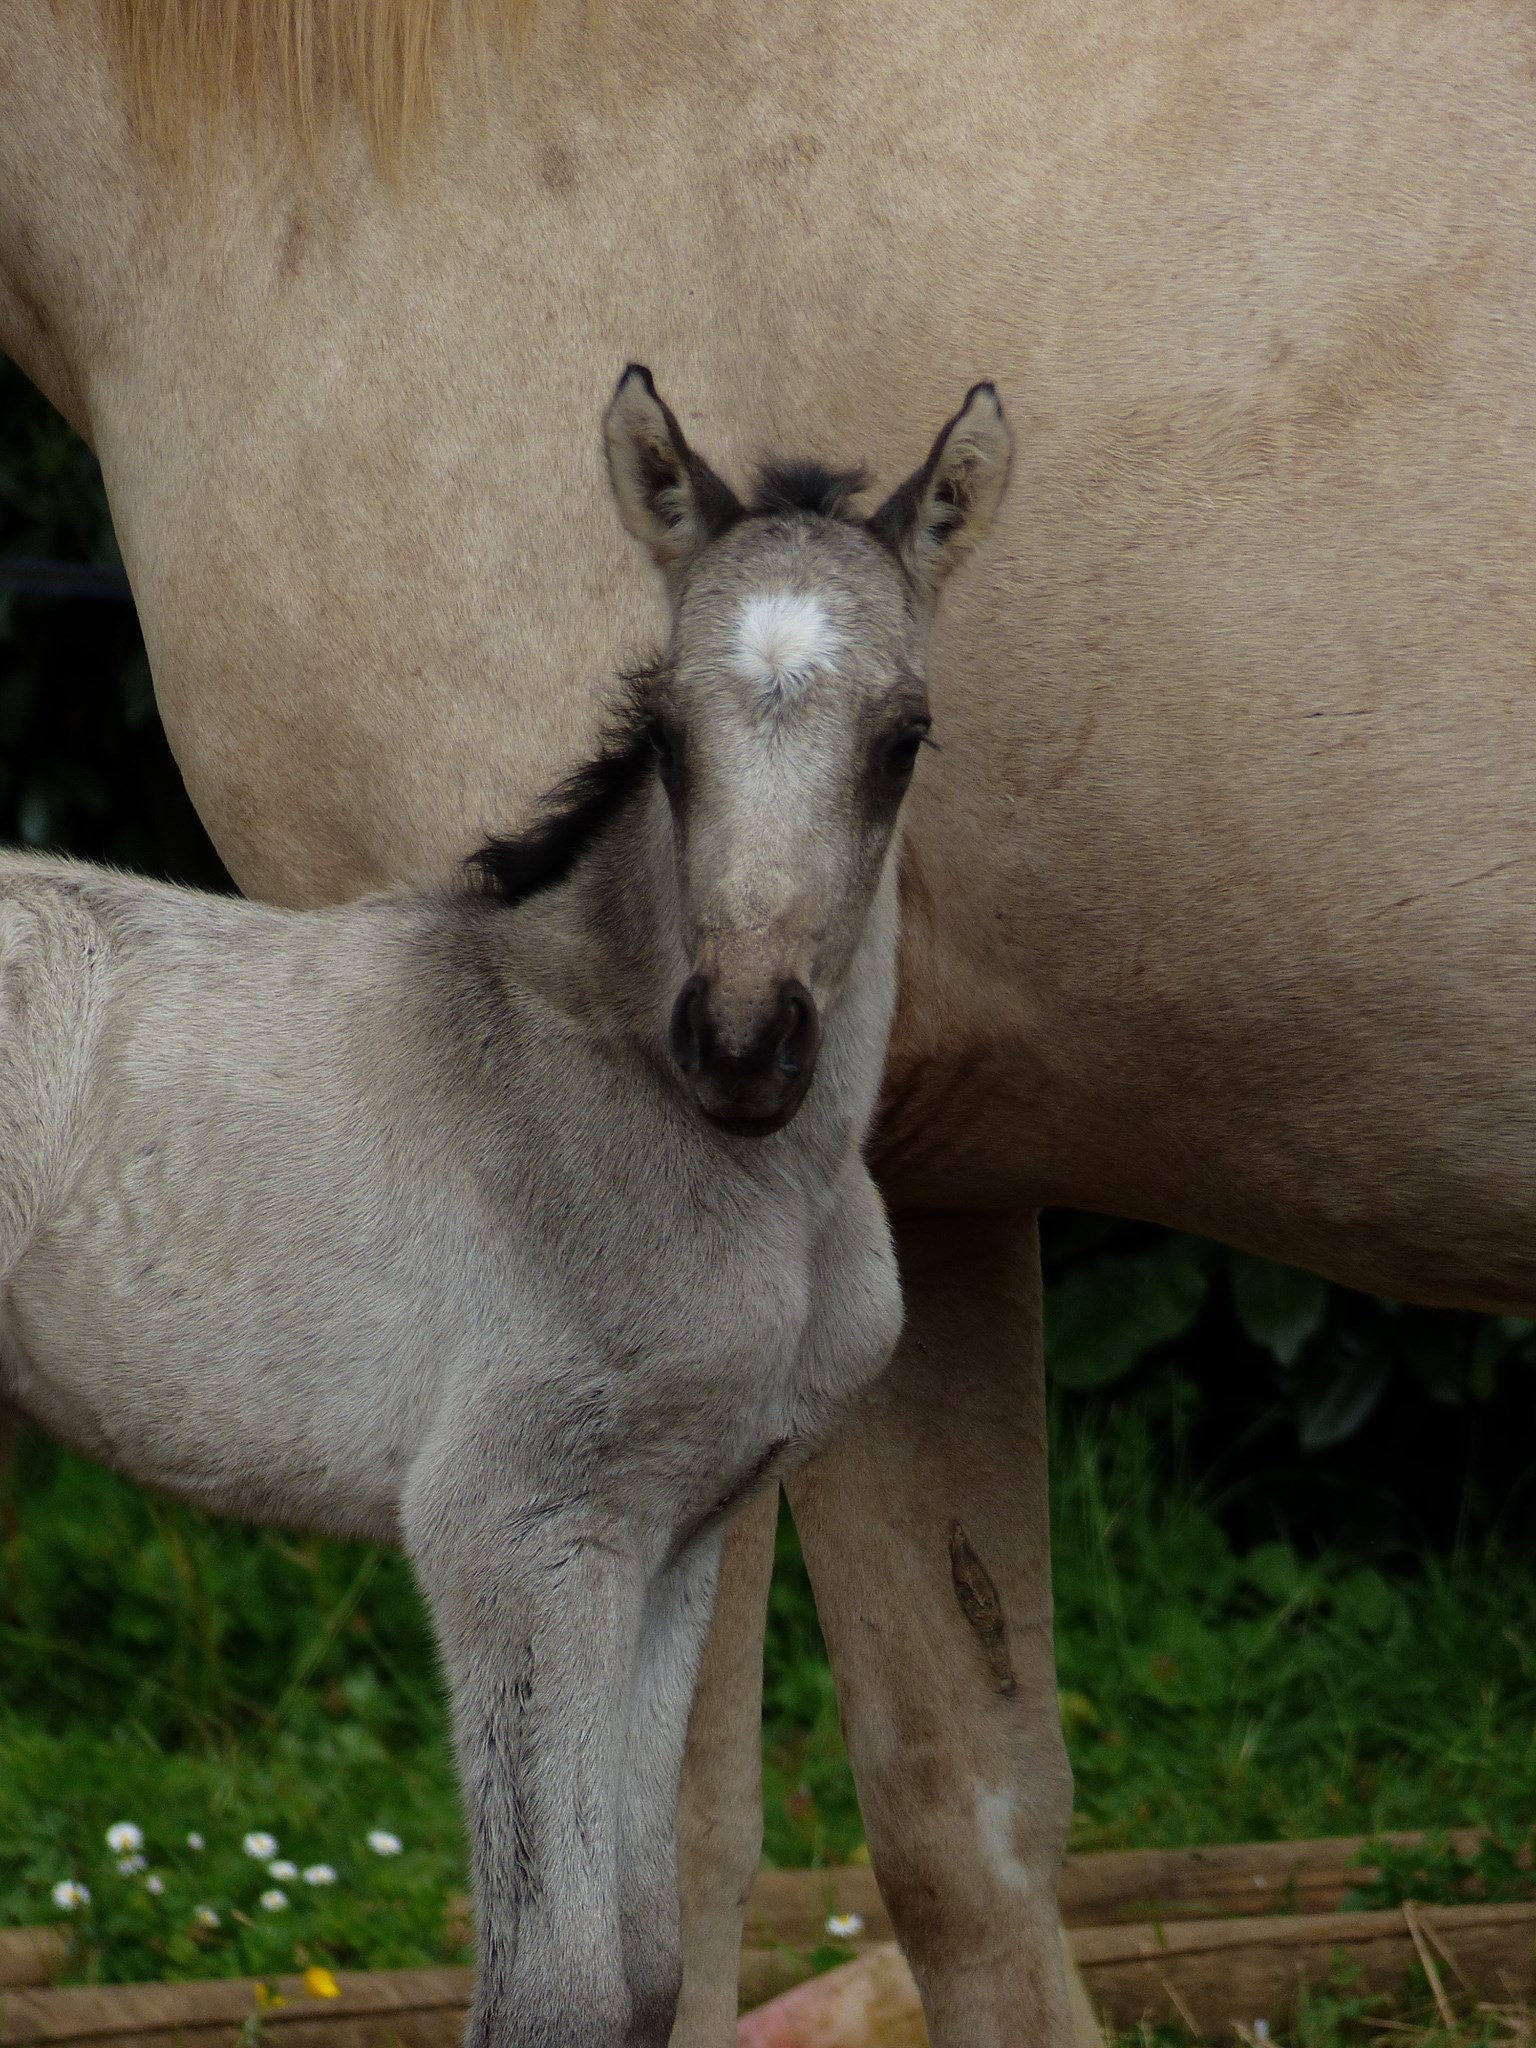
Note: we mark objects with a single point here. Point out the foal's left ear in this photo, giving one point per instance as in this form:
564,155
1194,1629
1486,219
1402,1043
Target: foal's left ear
669,498
944,508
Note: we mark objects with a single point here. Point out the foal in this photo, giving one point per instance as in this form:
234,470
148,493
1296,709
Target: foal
506,1224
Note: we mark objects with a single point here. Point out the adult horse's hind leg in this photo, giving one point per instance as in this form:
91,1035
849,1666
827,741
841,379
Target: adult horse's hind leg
665,1676
720,1806
926,1532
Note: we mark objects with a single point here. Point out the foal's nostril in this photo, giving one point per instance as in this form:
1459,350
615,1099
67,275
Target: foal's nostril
787,1057
685,1034
796,1029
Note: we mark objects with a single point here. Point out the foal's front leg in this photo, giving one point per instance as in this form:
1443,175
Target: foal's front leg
538,1613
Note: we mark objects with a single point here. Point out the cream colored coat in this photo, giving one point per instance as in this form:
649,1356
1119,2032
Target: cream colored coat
1218,898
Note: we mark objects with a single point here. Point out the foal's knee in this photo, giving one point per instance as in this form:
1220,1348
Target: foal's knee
581,2009
655,1986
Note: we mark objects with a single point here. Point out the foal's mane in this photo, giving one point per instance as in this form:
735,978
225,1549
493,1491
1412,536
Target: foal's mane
186,64
519,865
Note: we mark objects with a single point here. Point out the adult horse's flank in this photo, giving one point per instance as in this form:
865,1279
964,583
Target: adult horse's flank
1217,901
402,1221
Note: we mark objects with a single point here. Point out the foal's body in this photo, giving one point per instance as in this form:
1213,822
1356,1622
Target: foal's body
347,1220
401,1121
529,1229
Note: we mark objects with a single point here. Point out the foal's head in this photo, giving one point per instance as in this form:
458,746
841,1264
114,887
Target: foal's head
787,714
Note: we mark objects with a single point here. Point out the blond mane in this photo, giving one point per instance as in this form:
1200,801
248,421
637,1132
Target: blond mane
190,66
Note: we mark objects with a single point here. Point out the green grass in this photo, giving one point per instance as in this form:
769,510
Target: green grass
1209,1696
194,1676
1216,1697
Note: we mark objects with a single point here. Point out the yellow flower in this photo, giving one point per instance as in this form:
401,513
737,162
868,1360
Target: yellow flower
320,1983
266,1996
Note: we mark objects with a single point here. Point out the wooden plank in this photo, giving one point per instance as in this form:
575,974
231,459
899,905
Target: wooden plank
1223,1973
1236,1971
373,2009
790,1908
30,1955
1241,1878
786,1923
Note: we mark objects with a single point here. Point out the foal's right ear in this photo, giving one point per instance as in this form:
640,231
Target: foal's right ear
669,498
944,508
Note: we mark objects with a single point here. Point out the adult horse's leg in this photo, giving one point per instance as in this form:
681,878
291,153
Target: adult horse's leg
720,1810
665,1681
926,1531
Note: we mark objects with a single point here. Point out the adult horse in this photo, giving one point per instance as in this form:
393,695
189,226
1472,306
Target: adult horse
1218,900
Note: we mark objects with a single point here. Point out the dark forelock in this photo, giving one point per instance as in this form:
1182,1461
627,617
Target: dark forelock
794,485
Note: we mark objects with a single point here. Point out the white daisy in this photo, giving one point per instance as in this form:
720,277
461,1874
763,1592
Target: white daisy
68,1895
194,1840
260,1844
154,1885
273,1901
319,1873
284,1871
845,1926
383,1843
130,1866
123,1838
205,1916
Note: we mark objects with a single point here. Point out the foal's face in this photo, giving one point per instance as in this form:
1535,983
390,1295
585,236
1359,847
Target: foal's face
788,714
789,719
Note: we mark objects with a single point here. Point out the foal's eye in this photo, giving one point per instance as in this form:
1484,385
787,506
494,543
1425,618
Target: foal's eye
898,757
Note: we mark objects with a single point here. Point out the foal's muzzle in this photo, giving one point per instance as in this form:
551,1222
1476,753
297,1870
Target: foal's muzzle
749,1077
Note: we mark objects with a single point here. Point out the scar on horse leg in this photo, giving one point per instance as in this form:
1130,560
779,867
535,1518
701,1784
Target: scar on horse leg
982,1606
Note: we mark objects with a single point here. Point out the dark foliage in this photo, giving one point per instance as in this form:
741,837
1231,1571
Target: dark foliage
84,766
1324,1417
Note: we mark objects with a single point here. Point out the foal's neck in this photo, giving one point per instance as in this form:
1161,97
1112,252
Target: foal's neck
603,943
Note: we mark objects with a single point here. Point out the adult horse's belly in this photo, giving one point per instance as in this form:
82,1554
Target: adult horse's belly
1219,895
